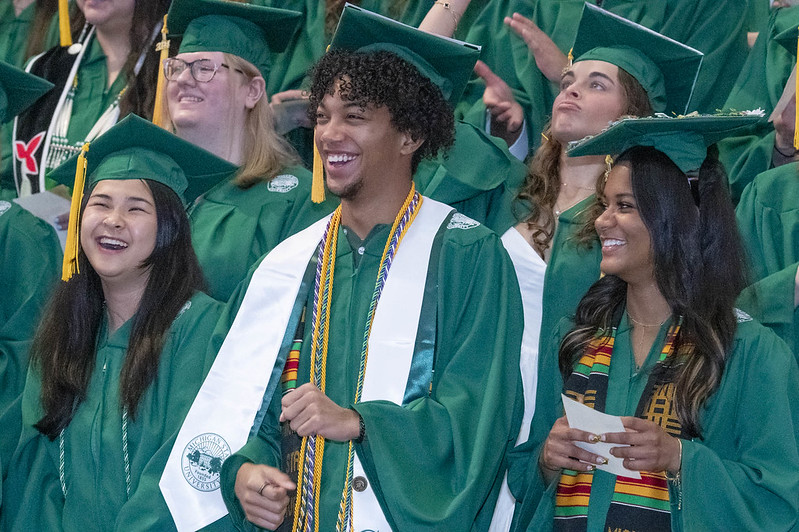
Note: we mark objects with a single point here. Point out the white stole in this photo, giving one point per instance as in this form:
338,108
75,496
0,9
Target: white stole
232,393
530,269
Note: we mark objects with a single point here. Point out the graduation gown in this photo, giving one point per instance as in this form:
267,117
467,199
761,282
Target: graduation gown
744,472
94,465
31,265
759,85
478,177
233,227
768,218
435,462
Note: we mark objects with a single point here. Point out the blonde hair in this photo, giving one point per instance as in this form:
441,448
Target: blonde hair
265,152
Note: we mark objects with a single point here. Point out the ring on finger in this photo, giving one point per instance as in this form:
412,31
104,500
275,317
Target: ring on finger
261,491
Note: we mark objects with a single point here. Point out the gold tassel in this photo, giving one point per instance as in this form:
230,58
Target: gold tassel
796,101
63,23
318,184
70,266
570,58
608,166
158,108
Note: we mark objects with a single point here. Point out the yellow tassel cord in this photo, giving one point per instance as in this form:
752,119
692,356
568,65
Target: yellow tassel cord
570,58
63,23
158,108
796,101
70,266
608,166
326,279
318,184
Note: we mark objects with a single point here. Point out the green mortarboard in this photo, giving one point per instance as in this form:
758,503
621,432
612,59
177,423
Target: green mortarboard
665,68
137,149
249,31
684,140
18,90
446,62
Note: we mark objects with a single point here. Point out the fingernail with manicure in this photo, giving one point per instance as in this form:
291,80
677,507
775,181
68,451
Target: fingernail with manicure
602,460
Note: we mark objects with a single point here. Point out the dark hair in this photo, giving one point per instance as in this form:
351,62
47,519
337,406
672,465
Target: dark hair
380,78
699,265
64,347
541,187
139,96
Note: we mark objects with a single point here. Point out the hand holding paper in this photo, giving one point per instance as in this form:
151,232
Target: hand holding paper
590,420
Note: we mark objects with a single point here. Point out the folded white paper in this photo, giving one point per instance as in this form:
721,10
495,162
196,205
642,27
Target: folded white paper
584,418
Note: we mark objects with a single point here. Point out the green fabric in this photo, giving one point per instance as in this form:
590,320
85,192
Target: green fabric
31,265
95,476
683,140
447,63
743,474
137,149
571,270
233,227
760,84
768,215
18,90
714,28
248,31
477,176
435,462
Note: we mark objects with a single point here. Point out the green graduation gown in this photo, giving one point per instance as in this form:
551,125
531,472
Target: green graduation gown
434,463
30,267
744,472
768,218
94,464
759,85
233,227
478,177
571,270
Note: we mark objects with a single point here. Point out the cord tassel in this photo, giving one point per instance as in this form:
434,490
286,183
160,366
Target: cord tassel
163,47
70,265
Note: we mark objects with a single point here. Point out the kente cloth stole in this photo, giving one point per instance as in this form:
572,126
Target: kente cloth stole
637,505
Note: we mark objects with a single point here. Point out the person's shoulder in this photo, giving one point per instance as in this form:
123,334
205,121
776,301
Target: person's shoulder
460,230
756,344
775,188
199,308
23,226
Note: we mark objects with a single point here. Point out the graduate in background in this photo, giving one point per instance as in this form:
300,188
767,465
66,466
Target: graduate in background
215,98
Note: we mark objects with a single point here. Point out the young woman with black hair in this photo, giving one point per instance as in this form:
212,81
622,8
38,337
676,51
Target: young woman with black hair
659,342
121,350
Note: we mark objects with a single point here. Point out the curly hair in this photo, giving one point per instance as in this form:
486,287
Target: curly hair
416,105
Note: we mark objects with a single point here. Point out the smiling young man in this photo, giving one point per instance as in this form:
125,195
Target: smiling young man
390,330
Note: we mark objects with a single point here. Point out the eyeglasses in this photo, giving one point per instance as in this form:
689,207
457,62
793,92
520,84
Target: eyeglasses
202,70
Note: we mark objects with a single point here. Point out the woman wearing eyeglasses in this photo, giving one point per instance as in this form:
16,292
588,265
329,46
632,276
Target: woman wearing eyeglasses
216,99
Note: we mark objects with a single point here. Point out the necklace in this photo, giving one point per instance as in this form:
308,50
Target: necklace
578,187
558,210
636,322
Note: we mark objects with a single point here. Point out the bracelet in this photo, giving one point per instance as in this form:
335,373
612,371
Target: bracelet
675,477
786,155
446,5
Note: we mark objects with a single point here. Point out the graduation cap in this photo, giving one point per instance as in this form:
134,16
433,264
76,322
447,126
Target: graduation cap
18,90
665,68
136,149
448,63
684,140
248,31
